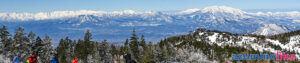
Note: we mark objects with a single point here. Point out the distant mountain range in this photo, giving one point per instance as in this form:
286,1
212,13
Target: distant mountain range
117,26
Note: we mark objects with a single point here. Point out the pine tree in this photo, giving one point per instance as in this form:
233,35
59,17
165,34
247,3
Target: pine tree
79,52
46,53
134,44
142,48
32,40
143,42
4,34
126,42
5,44
113,50
124,49
80,49
87,36
149,55
69,49
61,51
31,36
20,46
37,45
95,57
126,46
104,52
88,47
64,50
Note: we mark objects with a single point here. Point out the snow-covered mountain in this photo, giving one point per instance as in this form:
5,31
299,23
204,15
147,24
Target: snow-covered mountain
270,29
206,45
216,11
154,24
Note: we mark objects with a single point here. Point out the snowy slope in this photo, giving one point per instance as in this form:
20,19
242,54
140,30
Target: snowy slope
204,44
256,43
270,29
224,39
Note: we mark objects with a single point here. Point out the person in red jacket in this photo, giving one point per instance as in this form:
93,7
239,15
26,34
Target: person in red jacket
75,60
33,59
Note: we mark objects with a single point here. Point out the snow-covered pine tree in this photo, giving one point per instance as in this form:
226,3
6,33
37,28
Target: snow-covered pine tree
142,48
69,49
5,40
31,37
46,51
126,47
37,45
64,51
5,44
85,48
79,50
20,46
149,57
104,52
113,50
143,42
134,45
95,56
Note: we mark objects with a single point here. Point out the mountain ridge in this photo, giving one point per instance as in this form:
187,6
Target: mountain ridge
156,25
62,14
219,46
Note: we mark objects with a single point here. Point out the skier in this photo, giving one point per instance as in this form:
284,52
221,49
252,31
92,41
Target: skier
16,59
54,60
75,60
33,58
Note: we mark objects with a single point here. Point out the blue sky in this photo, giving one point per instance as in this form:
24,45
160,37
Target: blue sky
139,5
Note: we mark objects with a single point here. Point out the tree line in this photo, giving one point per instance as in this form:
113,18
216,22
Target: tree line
21,44
134,50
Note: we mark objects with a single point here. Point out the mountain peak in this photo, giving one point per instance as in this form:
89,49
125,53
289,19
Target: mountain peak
126,12
214,9
271,29
188,11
